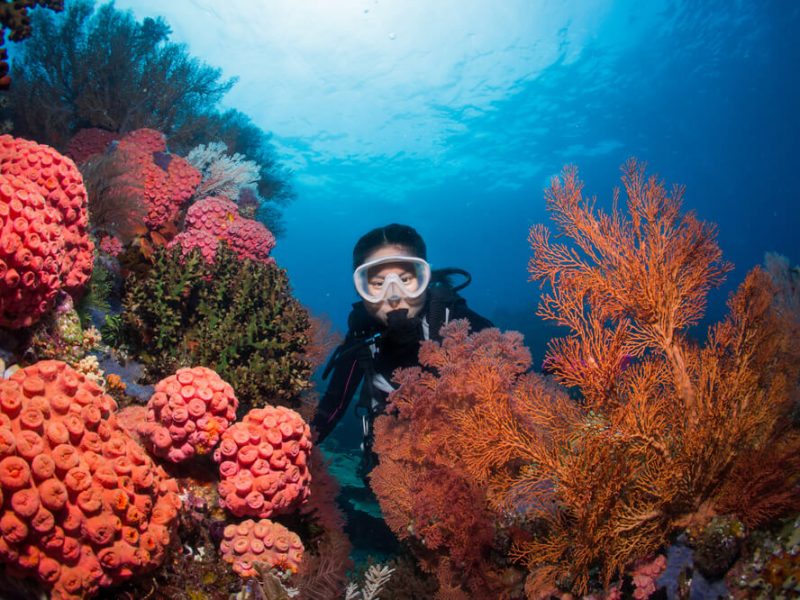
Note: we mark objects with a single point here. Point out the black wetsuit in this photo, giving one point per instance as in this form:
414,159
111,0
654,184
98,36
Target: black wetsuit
373,348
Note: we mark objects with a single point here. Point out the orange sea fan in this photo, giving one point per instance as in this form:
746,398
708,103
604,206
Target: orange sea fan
664,428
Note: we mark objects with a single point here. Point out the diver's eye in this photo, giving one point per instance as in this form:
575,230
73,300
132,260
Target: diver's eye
375,283
407,278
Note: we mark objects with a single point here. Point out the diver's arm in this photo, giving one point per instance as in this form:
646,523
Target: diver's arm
347,374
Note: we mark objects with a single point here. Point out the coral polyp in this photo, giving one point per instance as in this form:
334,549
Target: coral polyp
82,505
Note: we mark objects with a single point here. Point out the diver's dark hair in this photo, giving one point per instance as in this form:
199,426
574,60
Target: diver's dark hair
389,235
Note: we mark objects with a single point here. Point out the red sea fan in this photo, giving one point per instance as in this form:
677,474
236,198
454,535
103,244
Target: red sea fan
323,572
424,491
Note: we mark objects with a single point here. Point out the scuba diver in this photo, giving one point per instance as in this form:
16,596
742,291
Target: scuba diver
403,303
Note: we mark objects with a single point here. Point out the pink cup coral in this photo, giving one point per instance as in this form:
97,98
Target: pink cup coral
167,180
213,219
111,245
213,214
271,544
61,184
89,142
31,250
188,413
250,239
263,463
144,140
200,239
81,504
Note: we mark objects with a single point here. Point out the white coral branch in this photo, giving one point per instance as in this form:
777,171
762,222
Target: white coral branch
374,579
223,175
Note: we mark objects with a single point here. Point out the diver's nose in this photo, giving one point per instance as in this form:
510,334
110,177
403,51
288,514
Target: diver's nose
393,297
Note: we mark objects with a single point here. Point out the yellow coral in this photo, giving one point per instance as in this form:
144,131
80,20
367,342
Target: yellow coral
114,383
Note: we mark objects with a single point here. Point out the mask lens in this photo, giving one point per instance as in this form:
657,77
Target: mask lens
392,276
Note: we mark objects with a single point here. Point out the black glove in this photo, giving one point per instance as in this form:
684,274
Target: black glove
400,330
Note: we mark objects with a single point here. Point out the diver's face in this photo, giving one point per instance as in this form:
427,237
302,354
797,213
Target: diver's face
378,274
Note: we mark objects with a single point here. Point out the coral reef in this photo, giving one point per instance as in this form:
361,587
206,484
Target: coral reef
644,574
261,541
771,566
14,16
664,430
235,317
207,221
90,368
323,341
213,219
143,141
263,463
111,245
61,184
375,578
115,387
167,180
249,203
251,240
196,239
193,567
60,335
213,214
30,253
95,304
408,582
183,178
188,413
717,545
323,572
164,88
83,506
116,203
786,279
89,142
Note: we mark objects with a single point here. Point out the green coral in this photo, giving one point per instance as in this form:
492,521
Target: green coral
235,316
98,292
113,331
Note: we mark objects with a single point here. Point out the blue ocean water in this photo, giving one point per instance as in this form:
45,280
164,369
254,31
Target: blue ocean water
708,96
453,116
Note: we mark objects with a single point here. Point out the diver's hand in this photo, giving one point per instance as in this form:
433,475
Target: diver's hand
400,329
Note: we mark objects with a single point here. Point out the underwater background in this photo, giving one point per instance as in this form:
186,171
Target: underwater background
452,117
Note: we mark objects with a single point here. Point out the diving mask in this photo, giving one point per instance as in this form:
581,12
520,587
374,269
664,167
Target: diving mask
390,277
